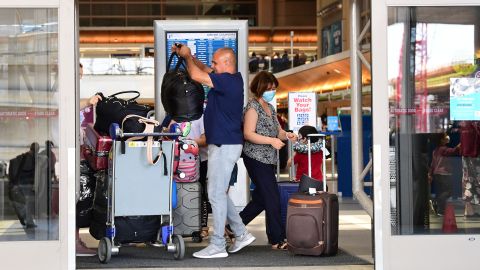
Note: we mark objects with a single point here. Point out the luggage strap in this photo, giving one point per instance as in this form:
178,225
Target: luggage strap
150,124
319,201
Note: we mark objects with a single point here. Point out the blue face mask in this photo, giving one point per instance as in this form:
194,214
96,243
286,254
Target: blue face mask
269,95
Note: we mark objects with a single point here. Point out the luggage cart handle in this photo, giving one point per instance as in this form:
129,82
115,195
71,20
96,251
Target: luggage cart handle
316,135
116,132
129,135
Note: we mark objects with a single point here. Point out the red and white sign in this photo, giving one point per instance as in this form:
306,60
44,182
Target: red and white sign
302,110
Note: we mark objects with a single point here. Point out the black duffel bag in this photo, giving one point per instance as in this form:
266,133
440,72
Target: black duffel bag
182,97
112,109
131,229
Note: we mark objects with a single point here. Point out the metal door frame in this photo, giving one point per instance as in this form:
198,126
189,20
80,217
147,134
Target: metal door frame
55,254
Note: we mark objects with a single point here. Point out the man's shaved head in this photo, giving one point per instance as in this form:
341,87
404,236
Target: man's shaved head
228,54
224,60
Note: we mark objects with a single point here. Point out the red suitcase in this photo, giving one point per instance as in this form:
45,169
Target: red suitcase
312,224
95,148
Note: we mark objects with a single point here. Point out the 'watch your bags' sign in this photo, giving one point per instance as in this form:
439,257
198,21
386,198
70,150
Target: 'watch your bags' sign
302,110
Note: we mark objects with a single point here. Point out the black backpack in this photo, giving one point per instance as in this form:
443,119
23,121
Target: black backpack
182,97
112,109
16,164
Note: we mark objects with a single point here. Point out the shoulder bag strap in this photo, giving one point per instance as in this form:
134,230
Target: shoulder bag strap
170,59
143,120
150,125
181,62
127,92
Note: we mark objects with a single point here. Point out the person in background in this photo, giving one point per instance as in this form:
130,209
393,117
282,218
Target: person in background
21,186
263,137
80,246
323,119
197,133
93,100
296,60
223,122
300,158
470,151
440,172
253,63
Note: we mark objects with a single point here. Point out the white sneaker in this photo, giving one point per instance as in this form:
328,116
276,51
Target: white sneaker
211,252
240,242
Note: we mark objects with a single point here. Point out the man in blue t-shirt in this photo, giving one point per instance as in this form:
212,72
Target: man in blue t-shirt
223,131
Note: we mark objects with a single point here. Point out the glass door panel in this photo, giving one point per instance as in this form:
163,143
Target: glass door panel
434,103
29,135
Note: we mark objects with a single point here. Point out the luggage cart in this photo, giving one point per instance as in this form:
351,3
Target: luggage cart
136,188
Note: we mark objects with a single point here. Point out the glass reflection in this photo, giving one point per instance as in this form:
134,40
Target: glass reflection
434,119
28,124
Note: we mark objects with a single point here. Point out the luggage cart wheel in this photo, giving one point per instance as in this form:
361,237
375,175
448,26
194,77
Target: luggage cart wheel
179,247
196,237
104,250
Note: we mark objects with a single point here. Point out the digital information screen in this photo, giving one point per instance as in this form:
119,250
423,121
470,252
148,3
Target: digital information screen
202,44
464,99
332,123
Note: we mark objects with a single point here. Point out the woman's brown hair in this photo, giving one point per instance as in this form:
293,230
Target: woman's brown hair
260,83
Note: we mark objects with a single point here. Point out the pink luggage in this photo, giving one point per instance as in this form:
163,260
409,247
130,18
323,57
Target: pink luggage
188,167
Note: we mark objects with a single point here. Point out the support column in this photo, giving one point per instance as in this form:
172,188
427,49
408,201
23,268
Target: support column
358,173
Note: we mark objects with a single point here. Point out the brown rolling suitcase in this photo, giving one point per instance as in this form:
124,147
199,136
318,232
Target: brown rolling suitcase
312,224
312,220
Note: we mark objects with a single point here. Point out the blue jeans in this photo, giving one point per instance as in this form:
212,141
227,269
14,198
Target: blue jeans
221,160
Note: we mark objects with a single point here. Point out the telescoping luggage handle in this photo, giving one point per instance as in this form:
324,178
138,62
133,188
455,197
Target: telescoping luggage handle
322,136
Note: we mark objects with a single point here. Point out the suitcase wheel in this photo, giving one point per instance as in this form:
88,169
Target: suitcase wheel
179,247
104,250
